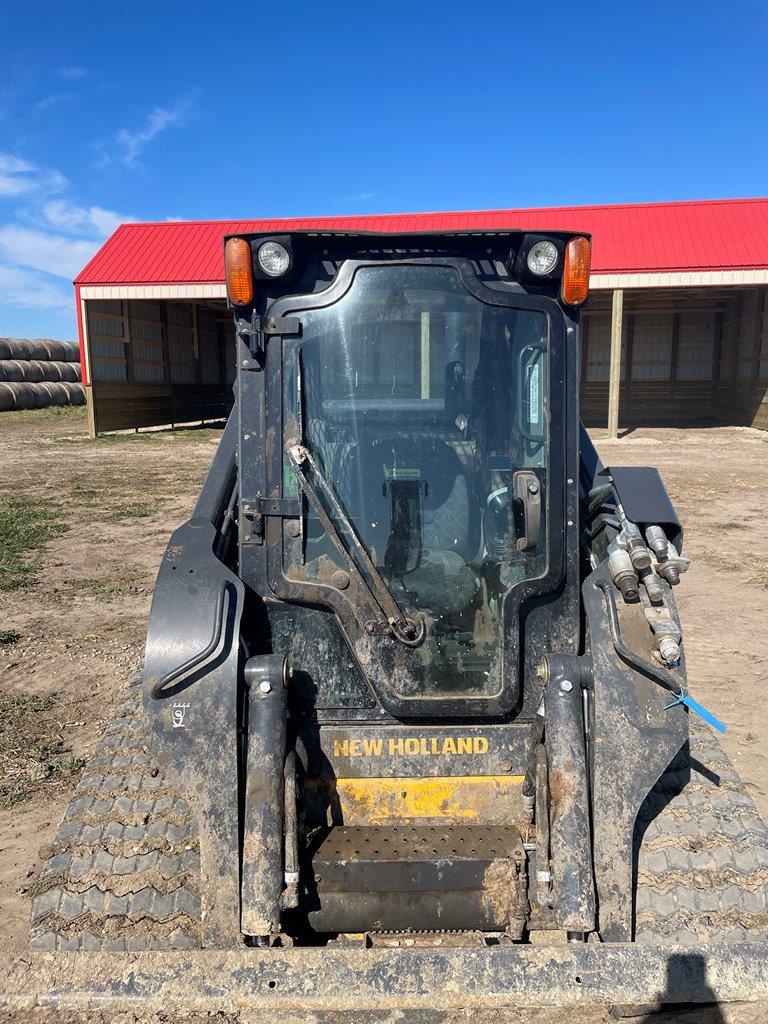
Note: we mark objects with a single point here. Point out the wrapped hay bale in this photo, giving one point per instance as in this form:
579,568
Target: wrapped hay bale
56,392
12,369
76,393
39,372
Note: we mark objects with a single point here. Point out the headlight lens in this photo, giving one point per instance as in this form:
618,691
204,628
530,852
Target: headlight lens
273,258
542,258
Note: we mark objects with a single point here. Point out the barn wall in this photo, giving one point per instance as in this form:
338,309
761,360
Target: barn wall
155,362
694,357
741,395
698,356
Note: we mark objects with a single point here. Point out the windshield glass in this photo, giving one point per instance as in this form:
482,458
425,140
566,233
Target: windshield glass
425,409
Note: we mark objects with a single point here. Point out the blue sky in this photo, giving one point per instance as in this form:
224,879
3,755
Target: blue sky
148,111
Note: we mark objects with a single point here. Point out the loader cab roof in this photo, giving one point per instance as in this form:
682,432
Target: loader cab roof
499,258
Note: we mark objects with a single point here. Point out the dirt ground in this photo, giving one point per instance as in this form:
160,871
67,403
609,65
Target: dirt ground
81,619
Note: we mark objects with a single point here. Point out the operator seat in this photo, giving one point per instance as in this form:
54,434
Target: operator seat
441,579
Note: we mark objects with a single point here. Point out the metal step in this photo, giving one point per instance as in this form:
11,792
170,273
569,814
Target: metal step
401,877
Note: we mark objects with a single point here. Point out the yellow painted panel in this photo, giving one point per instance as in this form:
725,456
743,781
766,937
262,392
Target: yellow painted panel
379,801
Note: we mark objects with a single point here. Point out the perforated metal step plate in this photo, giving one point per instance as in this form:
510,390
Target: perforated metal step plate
416,877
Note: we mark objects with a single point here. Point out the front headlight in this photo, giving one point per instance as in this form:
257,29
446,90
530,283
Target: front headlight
274,259
542,258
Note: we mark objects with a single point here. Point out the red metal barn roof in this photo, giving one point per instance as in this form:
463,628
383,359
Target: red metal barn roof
728,234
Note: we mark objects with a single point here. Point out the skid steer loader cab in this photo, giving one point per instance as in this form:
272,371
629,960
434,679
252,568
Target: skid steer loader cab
420,452
414,672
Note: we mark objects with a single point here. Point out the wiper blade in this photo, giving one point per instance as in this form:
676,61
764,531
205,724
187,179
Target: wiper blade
409,631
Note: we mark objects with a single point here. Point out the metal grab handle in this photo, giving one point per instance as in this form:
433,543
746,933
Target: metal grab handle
218,625
526,488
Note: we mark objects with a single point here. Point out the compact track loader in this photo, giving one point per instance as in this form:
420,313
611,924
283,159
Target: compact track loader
413,729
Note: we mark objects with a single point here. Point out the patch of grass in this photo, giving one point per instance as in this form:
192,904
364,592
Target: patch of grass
164,436
98,588
69,414
32,750
25,526
9,636
80,490
133,510
98,499
756,569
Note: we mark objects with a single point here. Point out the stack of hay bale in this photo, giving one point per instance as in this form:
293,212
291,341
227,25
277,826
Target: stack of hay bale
37,372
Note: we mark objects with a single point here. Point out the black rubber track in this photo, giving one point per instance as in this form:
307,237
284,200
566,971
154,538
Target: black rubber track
124,873
702,852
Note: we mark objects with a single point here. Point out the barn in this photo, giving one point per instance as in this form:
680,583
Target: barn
675,333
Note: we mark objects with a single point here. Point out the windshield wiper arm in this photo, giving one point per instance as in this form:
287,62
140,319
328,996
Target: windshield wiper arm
408,631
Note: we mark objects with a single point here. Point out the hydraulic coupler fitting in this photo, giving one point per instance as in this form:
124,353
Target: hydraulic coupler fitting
653,588
669,650
623,573
638,552
670,573
674,565
657,541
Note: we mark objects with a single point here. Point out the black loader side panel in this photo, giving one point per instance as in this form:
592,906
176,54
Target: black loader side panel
193,691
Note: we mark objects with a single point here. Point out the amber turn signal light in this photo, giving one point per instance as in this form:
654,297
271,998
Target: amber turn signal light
575,289
239,271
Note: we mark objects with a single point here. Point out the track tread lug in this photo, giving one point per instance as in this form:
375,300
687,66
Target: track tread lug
702,853
124,872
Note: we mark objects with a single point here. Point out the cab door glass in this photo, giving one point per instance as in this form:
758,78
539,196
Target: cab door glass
427,410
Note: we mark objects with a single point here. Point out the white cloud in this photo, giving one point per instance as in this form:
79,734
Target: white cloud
30,289
15,176
21,178
131,144
52,101
47,238
72,73
14,165
358,197
15,185
83,220
53,254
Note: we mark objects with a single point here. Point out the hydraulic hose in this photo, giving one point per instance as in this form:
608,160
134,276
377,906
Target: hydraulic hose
656,672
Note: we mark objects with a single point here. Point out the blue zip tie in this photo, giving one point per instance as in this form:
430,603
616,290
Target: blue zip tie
699,709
